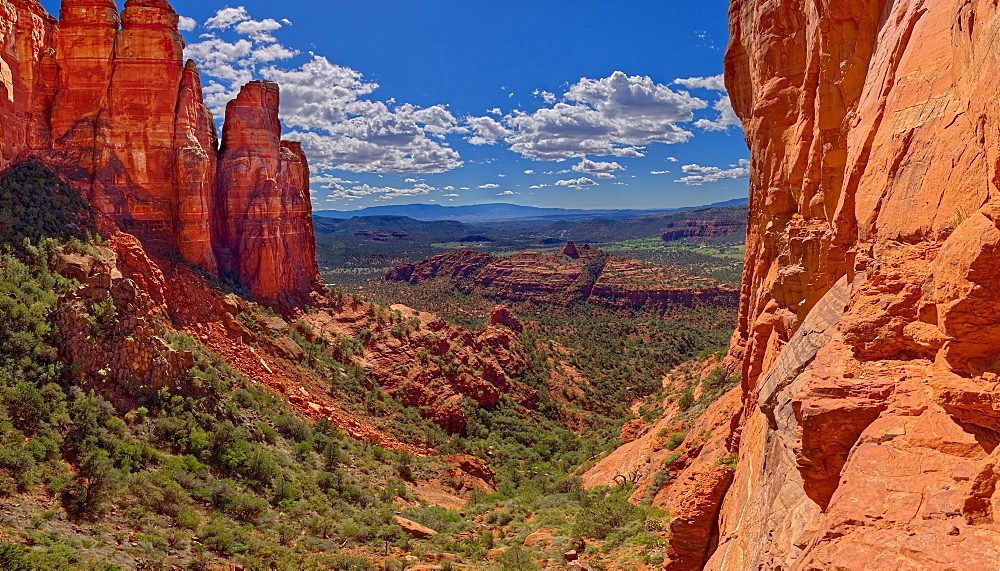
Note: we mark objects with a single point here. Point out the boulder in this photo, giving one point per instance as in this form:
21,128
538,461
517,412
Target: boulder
414,529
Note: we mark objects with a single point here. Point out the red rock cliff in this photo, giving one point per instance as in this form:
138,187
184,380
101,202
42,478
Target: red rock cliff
263,193
869,331
108,100
27,34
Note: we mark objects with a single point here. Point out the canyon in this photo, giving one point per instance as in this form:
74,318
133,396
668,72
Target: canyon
107,100
863,433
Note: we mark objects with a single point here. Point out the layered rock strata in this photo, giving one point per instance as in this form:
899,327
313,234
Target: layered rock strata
262,190
109,101
868,329
573,274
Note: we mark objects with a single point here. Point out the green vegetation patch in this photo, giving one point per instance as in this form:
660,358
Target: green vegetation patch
36,203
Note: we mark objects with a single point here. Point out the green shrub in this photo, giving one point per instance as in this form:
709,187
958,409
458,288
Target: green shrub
348,563
674,440
102,316
569,484
224,537
731,460
97,482
293,428
686,399
159,492
242,506
603,516
14,558
660,479
716,384
517,558
188,518
669,461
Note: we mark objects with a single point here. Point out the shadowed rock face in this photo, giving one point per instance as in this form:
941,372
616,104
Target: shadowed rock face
868,332
108,100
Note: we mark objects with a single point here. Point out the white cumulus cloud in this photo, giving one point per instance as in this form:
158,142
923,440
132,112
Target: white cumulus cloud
186,24
325,105
715,82
614,116
344,192
698,174
487,130
258,31
592,167
490,185
576,182
226,17
727,117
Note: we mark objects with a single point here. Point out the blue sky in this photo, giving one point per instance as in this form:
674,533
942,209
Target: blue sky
542,103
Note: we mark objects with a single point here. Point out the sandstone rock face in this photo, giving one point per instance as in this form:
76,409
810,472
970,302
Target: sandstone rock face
501,315
868,327
425,363
109,102
196,158
134,182
107,329
263,192
27,63
414,529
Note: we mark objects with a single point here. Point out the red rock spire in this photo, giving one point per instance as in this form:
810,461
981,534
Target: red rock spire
109,101
265,231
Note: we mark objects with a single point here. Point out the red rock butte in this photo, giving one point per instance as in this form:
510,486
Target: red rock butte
108,100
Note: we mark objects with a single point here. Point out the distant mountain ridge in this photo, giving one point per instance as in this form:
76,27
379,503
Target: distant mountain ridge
501,211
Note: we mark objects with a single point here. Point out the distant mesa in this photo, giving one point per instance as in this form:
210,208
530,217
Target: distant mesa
705,228
562,279
479,213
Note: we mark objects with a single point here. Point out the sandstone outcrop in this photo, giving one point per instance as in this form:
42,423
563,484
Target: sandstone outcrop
423,362
456,266
414,529
868,327
570,275
262,191
108,100
27,76
108,329
501,315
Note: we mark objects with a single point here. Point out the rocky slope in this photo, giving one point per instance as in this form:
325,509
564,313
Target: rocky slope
868,325
108,100
570,275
